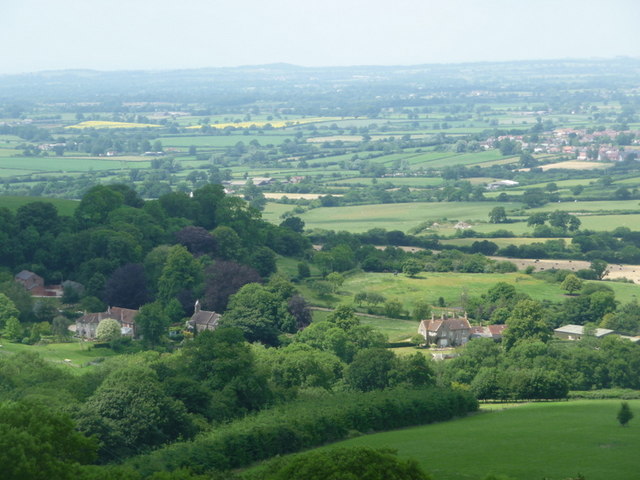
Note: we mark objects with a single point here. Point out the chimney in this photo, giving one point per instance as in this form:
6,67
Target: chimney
196,307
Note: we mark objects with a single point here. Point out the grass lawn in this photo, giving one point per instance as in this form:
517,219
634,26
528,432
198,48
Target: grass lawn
80,353
528,442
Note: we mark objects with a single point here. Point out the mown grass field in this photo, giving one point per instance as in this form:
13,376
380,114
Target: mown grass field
527,442
80,354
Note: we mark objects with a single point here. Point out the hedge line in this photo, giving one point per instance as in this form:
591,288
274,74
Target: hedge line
620,393
305,424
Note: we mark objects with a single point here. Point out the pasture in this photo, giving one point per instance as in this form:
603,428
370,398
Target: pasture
527,442
451,286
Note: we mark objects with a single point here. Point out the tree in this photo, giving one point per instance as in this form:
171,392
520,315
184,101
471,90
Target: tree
336,280
261,315
37,443
393,308
96,204
600,267
498,215
152,323
571,283
223,279
293,223
8,310
411,267
13,329
130,412
624,414
421,310
344,317
363,463
181,272
108,330
197,240
370,369
127,287
526,322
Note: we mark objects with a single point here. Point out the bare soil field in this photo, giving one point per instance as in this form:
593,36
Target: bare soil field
295,196
576,165
632,272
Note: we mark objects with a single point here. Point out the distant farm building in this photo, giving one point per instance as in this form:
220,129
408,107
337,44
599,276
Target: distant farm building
445,332
577,332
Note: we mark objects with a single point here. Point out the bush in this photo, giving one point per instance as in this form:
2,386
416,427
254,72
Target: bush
301,425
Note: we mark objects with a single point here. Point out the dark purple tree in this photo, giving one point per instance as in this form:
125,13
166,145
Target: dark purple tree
197,240
223,279
127,287
299,308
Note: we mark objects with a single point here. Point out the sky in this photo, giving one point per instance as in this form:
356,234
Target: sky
38,35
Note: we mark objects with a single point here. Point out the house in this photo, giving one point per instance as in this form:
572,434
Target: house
502,183
87,324
445,332
29,280
576,332
494,332
202,320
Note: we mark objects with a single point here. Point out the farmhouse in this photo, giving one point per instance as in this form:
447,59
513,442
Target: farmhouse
87,324
35,285
576,332
202,320
445,332
29,280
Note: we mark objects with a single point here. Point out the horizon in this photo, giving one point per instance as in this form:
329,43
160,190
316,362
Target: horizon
143,35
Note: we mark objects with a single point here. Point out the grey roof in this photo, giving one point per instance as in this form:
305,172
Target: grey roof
203,317
579,330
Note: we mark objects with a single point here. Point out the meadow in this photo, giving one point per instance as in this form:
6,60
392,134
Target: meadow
527,442
76,355
451,286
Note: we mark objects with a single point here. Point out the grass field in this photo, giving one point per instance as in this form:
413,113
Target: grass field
80,354
429,286
527,442
398,216
65,207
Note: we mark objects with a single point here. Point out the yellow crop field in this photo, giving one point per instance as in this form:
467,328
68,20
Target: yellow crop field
273,123
104,124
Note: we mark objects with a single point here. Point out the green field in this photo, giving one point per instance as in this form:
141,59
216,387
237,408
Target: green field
65,207
528,442
398,216
429,286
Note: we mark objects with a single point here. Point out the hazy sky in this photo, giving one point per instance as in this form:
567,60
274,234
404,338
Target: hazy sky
166,34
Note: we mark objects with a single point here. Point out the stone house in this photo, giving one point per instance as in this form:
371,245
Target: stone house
202,320
445,332
87,324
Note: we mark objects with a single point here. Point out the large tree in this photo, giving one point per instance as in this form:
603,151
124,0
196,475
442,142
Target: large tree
223,279
127,287
37,443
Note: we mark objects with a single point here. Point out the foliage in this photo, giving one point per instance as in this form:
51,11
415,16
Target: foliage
108,330
342,464
300,425
37,443
624,414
